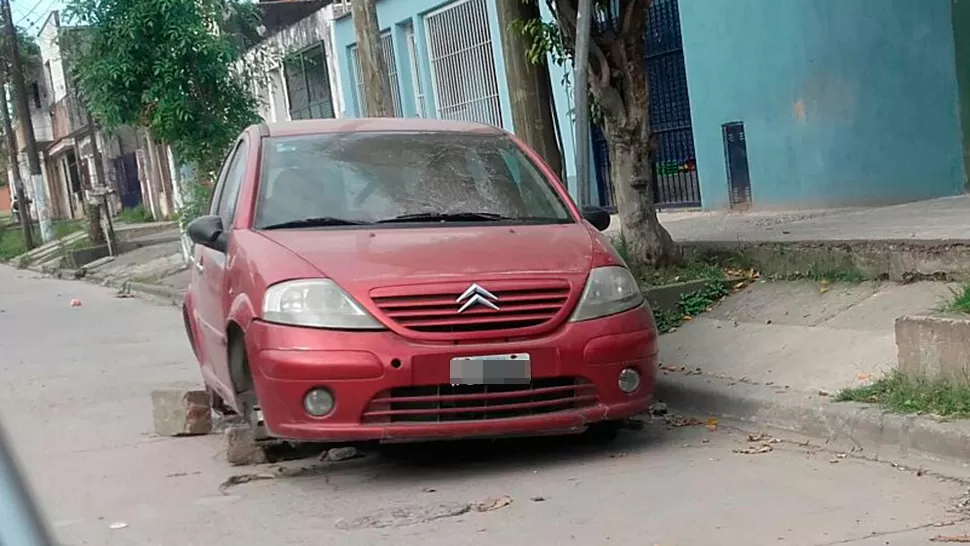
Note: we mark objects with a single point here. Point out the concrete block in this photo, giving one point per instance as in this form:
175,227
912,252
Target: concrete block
181,412
241,446
934,347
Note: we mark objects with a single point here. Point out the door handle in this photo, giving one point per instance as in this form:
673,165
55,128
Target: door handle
198,264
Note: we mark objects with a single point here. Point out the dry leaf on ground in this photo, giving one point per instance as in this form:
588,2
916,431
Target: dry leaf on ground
711,424
754,450
962,539
681,421
491,505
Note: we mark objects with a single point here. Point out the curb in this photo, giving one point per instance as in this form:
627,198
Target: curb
842,425
893,259
153,292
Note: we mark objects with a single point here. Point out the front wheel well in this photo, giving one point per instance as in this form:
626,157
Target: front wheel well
242,378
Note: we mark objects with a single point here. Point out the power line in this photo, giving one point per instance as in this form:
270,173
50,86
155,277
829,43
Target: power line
28,14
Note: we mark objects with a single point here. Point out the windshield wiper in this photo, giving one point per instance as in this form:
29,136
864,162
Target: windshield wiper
321,221
445,217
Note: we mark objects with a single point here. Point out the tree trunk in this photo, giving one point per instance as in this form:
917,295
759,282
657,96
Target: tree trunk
373,70
630,167
95,230
529,84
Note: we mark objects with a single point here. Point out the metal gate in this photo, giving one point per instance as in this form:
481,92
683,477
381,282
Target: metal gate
126,177
674,163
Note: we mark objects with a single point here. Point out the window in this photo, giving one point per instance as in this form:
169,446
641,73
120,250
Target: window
462,63
308,84
230,182
413,63
372,177
387,50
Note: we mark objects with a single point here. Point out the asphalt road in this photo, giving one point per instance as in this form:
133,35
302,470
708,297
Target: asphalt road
74,397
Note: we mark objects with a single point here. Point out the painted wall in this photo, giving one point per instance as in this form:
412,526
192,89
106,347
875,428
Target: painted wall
395,15
271,92
844,102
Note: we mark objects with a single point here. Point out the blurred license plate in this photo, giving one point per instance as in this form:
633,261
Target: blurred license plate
512,369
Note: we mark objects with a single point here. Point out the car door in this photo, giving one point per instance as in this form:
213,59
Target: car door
211,271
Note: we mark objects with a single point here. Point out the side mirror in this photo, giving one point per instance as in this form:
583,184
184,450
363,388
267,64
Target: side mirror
598,216
208,232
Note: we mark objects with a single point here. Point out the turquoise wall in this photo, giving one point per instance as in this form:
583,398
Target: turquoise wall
845,102
396,15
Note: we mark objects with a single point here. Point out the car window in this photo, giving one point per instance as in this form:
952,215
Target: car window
221,181
371,177
233,183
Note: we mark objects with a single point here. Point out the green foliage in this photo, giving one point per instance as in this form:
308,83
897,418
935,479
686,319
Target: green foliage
197,200
903,395
136,215
959,300
166,66
691,305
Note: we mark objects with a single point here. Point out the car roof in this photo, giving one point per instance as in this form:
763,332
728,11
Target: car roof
350,125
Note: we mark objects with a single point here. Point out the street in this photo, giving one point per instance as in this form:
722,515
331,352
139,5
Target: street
74,399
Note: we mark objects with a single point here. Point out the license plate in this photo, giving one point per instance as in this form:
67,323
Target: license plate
512,369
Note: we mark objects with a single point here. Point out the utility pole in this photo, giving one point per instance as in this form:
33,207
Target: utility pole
530,88
23,110
99,203
581,88
373,71
11,143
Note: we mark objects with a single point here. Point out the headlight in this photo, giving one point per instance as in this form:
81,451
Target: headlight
609,290
318,303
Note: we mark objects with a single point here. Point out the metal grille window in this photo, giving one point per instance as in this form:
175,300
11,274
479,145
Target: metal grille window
462,63
416,83
387,49
308,84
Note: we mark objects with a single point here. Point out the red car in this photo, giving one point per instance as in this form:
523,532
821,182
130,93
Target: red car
406,279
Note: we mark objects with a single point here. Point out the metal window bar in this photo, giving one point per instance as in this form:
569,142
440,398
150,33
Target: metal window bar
465,84
387,48
416,83
308,84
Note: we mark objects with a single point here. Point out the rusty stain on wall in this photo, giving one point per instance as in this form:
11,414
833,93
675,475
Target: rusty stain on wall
798,111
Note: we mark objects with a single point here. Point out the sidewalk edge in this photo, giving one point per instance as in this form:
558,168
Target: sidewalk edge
840,425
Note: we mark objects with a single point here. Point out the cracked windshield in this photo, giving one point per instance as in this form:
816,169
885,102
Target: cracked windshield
484,272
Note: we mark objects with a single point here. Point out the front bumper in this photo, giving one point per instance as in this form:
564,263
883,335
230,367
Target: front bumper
574,372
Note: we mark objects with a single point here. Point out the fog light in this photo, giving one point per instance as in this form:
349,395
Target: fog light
629,380
318,402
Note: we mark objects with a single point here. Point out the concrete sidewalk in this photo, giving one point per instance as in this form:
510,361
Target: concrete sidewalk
945,219
775,355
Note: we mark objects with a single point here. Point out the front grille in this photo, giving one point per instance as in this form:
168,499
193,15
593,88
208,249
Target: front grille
449,403
437,310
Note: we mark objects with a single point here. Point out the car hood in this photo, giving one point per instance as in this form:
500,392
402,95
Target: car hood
374,257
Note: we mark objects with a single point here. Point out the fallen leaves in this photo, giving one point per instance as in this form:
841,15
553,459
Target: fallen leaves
763,444
492,505
823,286
963,539
711,424
678,421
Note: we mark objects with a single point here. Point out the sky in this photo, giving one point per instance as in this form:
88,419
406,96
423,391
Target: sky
30,14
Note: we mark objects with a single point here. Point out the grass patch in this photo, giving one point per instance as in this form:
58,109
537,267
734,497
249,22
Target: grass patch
902,395
699,267
690,305
136,215
12,238
959,301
